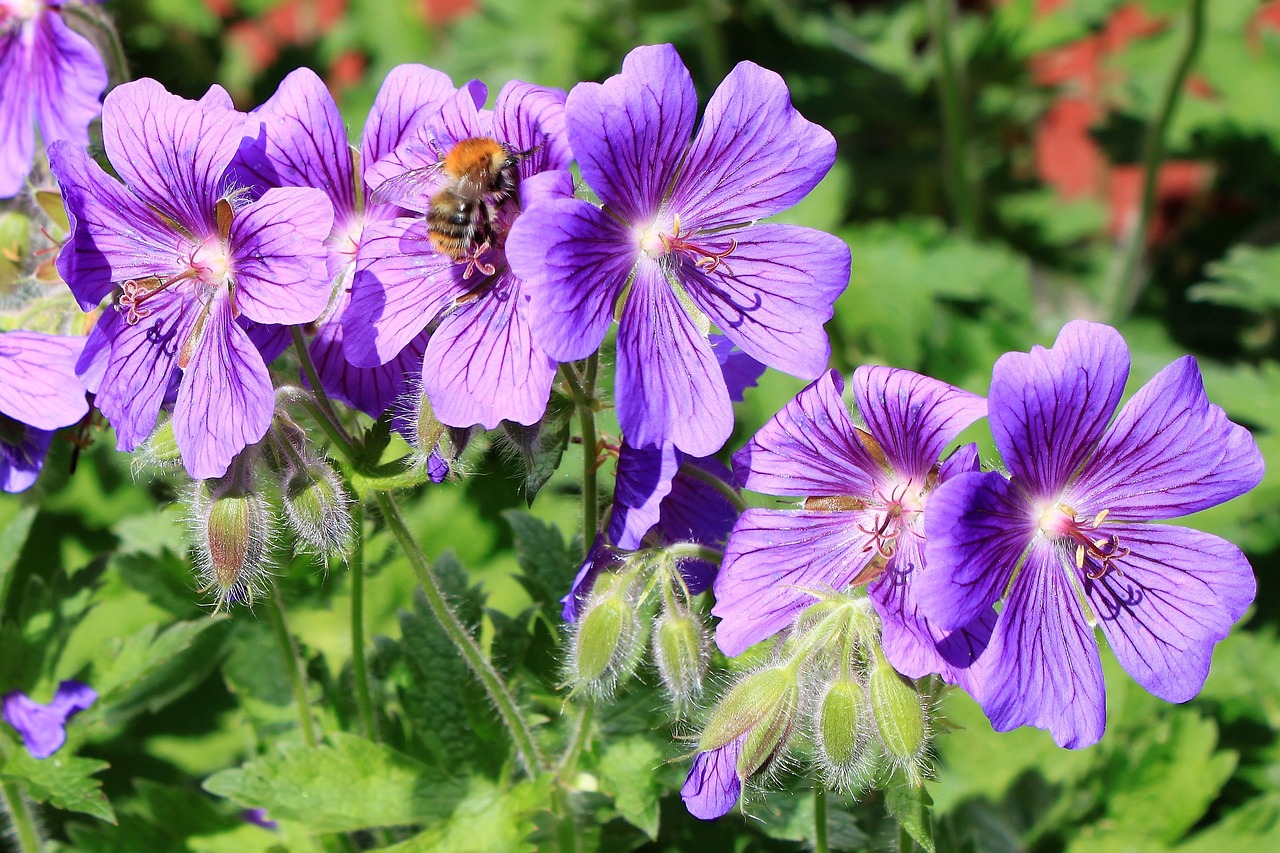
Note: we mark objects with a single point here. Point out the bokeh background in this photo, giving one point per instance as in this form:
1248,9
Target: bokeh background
979,220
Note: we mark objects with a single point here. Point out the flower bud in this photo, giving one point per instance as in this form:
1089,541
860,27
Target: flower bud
746,704
843,731
317,509
681,650
607,644
232,525
160,450
769,734
899,716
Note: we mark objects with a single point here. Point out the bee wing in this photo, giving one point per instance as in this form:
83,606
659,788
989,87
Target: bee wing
414,186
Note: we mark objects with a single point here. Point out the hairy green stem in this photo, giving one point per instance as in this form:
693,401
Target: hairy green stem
1126,285
313,379
820,820
24,822
584,396
359,670
729,492
955,123
101,22
293,662
521,735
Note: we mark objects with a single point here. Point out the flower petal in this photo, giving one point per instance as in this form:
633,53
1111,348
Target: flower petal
225,399
740,370
402,283
712,787
977,527
696,511
1044,666
599,559
38,384
630,133
575,260
69,77
1049,408
1170,452
779,562
773,293
17,138
280,258
1166,603
669,385
170,151
643,480
913,417
484,366
409,96
754,154
531,118
808,448
114,235
21,461
43,727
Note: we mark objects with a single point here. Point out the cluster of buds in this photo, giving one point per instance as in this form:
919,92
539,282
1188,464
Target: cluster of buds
827,692
646,598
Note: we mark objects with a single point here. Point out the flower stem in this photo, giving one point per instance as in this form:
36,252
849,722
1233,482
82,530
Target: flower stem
293,662
359,670
955,124
101,22
1126,285
313,379
521,736
24,822
729,492
584,396
820,820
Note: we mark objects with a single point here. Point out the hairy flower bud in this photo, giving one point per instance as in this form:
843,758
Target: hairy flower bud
899,715
747,704
770,734
843,729
318,509
607,644
232,525
680,647
160,450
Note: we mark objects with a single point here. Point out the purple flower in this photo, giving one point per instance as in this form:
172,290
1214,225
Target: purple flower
190,259
259,817
302,142
712,787
865,493
49,75
1068,534
484,365
43,727
676,237
39,393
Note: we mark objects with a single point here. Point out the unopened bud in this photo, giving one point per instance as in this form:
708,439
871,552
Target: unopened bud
607,644
746,704
317,509
427,429
899,715
680,647
232,525
843,728
160,450
768,735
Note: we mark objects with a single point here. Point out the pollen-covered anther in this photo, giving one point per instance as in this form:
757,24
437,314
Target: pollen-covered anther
135,292
1100,553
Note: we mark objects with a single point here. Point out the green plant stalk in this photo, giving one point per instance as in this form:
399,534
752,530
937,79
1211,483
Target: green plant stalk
584,397
102,23
521,736
955,123
359,670
24,823
729,492
293,662
820,820
313,379
1125,287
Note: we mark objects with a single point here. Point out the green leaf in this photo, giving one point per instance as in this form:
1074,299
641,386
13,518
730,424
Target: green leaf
541,445
909,805
15,242
1253,826
148,670
345,785
1248,278
63,781
489,819
627,773
12,538
547,562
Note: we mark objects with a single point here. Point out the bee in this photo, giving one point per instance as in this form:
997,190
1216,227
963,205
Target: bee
479,175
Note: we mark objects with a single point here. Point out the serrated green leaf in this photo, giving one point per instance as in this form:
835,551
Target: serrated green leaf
544,557
1253,826
541,445
63,781
345,785
148,670
489,819
909,805
628,774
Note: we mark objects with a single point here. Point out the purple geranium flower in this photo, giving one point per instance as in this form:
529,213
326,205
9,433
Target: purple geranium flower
676,237
43,727
49,75
302,142
483,364
190,259
39,393
1068,534
865,492
712,787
